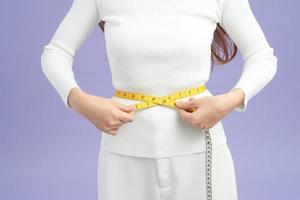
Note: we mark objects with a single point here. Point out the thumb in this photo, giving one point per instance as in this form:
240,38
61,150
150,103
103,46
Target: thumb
191,103
126,108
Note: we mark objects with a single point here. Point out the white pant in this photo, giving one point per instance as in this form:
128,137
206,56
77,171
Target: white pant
124,177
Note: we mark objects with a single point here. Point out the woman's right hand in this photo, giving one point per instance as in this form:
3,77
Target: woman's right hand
106,114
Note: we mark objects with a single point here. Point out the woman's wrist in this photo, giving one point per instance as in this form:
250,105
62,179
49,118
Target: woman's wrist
74,97
232,99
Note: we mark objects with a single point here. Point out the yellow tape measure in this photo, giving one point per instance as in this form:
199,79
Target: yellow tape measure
169,101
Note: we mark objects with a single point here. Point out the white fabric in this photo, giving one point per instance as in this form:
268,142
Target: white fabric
158,47
159,131
169,178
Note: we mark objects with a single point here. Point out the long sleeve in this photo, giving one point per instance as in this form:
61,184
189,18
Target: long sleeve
58,55
260,63
149,53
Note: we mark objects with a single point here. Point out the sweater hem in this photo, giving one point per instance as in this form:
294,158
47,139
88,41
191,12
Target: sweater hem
128,146
170,154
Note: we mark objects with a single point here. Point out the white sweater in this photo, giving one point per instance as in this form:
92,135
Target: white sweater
158,47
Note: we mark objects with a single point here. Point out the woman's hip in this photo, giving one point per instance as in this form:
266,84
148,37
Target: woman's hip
176,177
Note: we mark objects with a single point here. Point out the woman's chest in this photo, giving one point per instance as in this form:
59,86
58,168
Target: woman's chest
146,27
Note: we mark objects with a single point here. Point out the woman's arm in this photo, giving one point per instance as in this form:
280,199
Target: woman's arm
260,63
58,55
260,66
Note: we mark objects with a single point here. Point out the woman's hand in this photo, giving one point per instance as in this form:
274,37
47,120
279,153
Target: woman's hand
210,109
106,114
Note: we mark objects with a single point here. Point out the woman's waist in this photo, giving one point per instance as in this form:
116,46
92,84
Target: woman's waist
161,121
158,117
202,92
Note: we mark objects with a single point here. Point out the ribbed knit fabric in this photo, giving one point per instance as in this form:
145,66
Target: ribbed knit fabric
159,47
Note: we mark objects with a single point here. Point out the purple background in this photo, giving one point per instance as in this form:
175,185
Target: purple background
48,152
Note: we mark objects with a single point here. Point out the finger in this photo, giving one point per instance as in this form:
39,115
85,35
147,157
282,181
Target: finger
187,104
125,117
113,128
113,131
116,124
187,116
125,108
191,109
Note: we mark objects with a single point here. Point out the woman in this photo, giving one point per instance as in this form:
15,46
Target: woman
158,48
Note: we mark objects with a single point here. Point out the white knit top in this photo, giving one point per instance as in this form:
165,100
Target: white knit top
159,47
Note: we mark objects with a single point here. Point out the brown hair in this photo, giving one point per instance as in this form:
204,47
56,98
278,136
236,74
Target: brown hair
223,49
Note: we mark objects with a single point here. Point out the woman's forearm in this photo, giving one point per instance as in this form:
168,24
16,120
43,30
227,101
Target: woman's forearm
73,97
232,99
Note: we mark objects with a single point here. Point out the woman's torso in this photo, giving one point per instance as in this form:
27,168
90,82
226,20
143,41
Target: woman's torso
159,47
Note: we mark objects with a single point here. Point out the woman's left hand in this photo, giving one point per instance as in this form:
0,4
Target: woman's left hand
209,109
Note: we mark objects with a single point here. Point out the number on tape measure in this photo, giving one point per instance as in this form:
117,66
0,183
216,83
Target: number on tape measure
168,100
